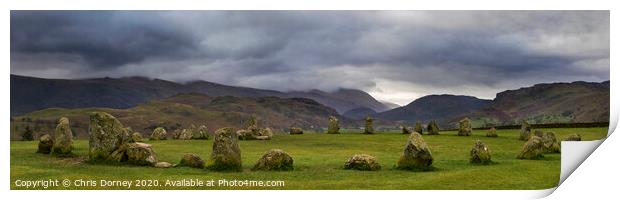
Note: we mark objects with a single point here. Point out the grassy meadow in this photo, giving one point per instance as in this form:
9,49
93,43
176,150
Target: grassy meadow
319,159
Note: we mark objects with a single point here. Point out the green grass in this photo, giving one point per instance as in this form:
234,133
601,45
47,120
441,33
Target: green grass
319,159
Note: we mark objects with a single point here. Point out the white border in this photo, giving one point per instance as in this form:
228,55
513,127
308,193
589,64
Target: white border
595,178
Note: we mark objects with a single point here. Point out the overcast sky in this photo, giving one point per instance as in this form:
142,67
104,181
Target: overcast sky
395,56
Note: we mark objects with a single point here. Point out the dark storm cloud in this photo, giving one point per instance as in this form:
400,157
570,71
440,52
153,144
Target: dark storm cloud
395,55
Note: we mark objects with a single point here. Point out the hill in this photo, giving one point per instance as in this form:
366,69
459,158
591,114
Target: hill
31,94
181,110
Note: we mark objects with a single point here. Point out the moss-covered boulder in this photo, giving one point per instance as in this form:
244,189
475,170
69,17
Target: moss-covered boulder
526,130
201,133
432,128
532,149
333,127
274,160
405,130
106,135
140,154
45,144
185,134
63,138
192,160
226,154
465,127
416,155
418,128
492,132
362,162
136,137
296,131
368,129
159,134
551,144
573,137
480,154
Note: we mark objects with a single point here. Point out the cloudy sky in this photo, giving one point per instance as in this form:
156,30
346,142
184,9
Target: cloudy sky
396,56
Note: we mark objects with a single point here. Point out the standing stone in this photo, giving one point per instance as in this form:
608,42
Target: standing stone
264,134
185,134
464,127
226,155
551,143
45,144
140,154
63,138
573,137
274,160
526,130
192,160
368,126
159,134
333,127
202,133
416,155
405,130
492,132
480,154
362,162
432,128
296,131
532,149
106,135
418,128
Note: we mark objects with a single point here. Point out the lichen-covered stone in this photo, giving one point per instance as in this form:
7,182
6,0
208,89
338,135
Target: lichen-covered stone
45,144
334,126
432,128
492,132
106,135
362,162
185,134
192,160
136,137
418,128
416,155
163,165
140,154
274,160
480,154
296,131
551,144
405,129
532,149
368,129
255,134
573,137
63,138
465,127
159,134
226,154
202,133
526,130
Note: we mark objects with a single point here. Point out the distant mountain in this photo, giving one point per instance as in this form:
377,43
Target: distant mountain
343,100
359,113
434,107
30,94
181,110
390,105
549,103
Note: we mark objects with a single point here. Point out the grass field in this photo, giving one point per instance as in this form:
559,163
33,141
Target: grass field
319,159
